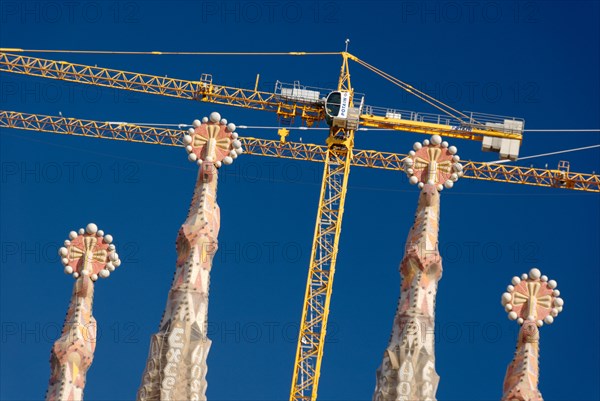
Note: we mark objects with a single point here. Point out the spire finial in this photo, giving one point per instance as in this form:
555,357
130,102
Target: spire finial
212,141
433,162
532,297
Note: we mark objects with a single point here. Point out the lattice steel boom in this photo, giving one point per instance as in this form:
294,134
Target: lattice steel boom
295,151
206,91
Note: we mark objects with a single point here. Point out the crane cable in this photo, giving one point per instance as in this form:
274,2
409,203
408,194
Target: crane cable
168,53
412,90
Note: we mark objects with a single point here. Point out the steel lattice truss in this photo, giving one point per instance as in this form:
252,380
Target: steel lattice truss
294,150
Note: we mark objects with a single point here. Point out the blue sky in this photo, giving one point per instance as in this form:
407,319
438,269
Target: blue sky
535,60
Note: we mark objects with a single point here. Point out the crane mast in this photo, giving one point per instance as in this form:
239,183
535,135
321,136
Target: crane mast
319,285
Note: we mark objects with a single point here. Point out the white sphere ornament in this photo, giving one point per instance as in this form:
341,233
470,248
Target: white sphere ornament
196,123
417,146
68,270
421,185
508,307
227,160
549,319
426,142
559,302
192,157
231,127
413,180
436,139
91,228
62,251
552,284
104,273
512,315
72,235
524,276
108,238
535,273
223,121
516,280
187,139
452,150
189,149
445,144
239,151
190,131
94,277
64,261
544,278
215,117
81,231
539,323
520,320
506,297
449,184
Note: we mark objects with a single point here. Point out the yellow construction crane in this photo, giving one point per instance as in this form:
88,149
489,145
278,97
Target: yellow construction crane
344,114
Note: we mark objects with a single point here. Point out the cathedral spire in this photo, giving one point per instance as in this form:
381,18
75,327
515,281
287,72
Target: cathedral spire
531,300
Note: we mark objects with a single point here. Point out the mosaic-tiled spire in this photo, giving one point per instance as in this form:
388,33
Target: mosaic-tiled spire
408,368
176,366
87,255
531,300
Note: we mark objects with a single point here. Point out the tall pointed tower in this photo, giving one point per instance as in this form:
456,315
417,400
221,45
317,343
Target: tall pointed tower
176,366
531,300
408,368
87,255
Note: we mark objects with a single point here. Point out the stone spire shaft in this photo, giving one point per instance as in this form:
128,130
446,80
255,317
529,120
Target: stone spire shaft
522,375
176,368
73,352
408,367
